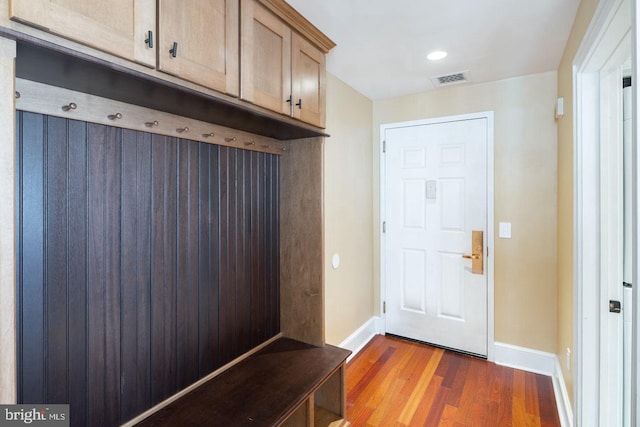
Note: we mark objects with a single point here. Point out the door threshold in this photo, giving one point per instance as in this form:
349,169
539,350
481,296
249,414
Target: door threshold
455,350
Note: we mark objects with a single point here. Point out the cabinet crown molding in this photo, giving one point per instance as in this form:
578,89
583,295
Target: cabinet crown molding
299,23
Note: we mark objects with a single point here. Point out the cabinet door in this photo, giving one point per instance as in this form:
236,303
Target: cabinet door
120,27
205,33
266,58
308,82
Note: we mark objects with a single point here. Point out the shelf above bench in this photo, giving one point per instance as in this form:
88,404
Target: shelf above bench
286,382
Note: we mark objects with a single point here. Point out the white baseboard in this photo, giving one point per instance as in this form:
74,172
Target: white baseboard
562,396
526,359
357,340
539,362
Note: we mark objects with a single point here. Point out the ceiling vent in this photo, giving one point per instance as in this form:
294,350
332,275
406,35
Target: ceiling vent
451,79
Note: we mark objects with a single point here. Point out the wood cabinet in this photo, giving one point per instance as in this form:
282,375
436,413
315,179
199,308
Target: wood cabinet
122,27
281,70
281,54
308,82
199,42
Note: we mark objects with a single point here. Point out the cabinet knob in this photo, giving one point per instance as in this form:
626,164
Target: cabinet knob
174,51
299,103
149,40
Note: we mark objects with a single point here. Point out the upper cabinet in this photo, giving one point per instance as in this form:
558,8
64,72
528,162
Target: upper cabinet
307,82
198,41
122,27
280,68
262,51
266,58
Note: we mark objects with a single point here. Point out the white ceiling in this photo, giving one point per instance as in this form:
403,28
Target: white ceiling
382,44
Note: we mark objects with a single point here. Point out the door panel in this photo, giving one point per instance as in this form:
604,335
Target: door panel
206,33
436,195
308,79
266,58
119,27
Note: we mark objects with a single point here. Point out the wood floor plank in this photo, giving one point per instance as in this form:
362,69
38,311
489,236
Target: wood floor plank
531,398
449,416
519,411
421,387
426,403
393,382
390,385
546,397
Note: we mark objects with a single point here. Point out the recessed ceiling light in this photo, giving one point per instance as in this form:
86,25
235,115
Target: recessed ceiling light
436,55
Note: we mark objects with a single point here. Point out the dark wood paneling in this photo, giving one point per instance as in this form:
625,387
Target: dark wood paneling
77,308
32,271
56,256
187,264
136,275
145,263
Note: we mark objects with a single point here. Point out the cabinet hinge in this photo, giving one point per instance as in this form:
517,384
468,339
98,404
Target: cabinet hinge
384,226
384,146
384,307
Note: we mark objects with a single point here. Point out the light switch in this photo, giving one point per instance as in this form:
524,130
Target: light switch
504,231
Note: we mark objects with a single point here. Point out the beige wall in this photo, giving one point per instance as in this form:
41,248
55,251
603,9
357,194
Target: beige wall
525,153
348,214
565,189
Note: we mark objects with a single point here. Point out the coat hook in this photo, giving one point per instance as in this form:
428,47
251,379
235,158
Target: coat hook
181,130
208,135
250,143
232,139
266,146
116,116
151,124
18,95
70,106
284,149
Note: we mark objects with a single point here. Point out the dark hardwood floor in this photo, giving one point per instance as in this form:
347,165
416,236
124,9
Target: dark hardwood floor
393,382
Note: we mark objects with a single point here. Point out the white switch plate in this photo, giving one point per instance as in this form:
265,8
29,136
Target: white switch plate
504,231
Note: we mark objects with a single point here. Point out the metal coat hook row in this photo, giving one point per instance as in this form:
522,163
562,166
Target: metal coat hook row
116,116
232,139
182,130
208,135
70,106
151,124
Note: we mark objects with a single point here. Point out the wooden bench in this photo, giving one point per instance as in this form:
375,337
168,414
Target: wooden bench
288,383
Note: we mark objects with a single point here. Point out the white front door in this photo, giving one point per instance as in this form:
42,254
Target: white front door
435,197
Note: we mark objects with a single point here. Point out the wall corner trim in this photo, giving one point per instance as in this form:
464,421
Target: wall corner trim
358,339
563,403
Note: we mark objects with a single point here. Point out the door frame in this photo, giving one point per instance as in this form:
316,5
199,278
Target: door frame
488,115
595,223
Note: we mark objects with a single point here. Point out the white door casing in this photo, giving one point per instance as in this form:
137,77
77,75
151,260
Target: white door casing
598,215
435,182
